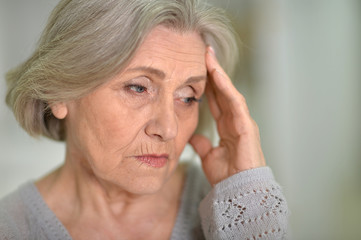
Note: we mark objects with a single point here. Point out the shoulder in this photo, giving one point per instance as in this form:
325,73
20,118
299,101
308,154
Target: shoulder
23,214
13,214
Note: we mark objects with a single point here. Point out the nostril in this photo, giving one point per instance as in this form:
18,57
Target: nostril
163,126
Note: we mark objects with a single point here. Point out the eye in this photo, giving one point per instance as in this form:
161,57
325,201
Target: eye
190,100
137,88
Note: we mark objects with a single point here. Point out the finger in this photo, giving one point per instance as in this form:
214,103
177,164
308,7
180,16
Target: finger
212,103
226,94
212,62
220,78
201,145
212,89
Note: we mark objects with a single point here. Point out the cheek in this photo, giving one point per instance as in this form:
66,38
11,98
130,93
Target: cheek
104,133
116,131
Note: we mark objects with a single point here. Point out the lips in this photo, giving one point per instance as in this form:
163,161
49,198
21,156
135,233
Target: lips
154,160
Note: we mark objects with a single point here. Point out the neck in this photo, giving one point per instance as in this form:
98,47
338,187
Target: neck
74,192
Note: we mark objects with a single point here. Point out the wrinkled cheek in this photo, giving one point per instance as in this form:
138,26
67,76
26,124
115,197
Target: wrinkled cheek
106,145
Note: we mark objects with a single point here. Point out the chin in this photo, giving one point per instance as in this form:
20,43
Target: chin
146,186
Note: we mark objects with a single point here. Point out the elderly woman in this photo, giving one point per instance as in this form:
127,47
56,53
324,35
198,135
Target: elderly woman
120,82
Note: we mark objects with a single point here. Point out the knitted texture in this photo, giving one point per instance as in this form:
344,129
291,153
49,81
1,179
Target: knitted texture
248,205
25,215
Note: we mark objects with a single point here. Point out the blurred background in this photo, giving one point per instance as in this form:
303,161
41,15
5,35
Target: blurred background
300,72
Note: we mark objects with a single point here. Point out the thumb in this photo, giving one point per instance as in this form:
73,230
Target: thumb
201,145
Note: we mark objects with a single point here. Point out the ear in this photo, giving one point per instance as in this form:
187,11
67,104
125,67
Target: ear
59,110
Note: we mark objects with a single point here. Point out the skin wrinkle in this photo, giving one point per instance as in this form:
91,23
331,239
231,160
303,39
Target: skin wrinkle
150,70
178,52
160,74
144,148
172,57
100,140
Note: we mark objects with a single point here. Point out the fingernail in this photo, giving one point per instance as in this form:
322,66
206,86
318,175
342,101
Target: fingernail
218,72
211,50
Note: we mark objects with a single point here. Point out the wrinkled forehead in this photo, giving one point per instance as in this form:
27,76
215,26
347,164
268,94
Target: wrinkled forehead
172,52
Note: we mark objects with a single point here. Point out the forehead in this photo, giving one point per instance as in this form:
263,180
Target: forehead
171,51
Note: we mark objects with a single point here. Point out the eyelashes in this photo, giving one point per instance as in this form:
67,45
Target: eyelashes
190,100
137,88
141,91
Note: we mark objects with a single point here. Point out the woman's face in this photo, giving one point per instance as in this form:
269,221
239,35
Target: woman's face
131,131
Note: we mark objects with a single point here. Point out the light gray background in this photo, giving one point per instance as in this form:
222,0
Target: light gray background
302,81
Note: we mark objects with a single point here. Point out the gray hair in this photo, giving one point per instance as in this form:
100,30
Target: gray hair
87,42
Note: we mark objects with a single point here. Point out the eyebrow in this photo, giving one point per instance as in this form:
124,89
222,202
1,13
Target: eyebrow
160,74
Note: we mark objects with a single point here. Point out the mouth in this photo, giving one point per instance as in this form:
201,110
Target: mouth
154,160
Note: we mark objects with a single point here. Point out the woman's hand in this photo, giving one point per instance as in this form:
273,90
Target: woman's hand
239,147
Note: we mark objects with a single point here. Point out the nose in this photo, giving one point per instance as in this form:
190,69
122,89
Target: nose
164,123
